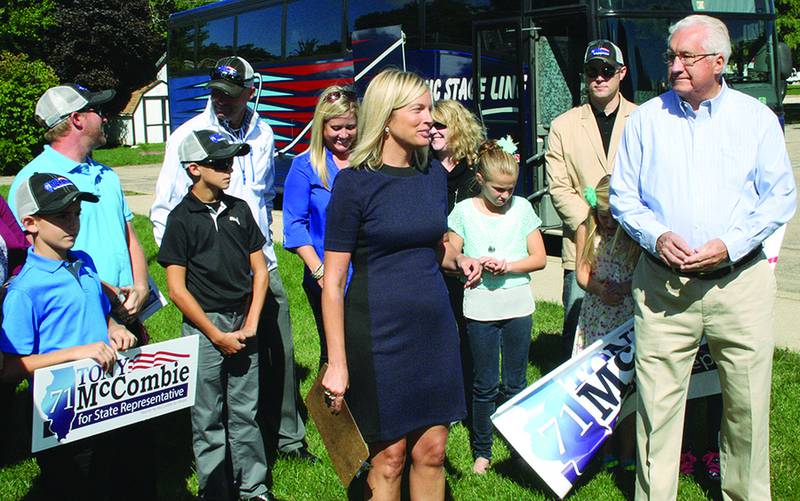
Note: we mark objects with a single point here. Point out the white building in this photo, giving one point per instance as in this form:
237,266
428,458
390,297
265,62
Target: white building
145,119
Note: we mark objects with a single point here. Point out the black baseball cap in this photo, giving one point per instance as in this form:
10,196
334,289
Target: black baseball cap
43,194
603,50
204,145
231,75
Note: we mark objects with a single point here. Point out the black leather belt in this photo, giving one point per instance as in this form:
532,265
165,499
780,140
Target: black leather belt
712,274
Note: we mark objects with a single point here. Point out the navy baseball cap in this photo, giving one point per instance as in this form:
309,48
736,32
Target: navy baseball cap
43,194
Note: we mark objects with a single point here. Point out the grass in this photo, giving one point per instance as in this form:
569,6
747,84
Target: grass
143,154
793,90
299,481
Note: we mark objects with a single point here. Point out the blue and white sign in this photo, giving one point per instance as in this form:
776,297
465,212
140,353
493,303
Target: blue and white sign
78,399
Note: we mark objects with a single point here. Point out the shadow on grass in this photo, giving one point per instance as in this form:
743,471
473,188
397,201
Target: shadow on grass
542,350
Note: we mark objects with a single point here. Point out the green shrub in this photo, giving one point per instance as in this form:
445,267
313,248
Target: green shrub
22,82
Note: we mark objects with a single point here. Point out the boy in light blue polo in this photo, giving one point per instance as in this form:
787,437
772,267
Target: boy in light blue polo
54,312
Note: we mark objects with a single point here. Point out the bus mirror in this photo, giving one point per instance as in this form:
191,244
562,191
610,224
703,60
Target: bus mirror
784,61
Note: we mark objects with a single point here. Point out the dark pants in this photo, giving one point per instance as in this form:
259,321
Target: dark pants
314,295
455,288
510,338
571,298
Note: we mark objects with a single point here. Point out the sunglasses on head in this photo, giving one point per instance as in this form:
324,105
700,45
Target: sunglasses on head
606,71
334,96
228,73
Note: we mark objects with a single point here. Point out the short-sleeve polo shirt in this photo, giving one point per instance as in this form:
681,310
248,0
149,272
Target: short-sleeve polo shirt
53,305
103,232
214,247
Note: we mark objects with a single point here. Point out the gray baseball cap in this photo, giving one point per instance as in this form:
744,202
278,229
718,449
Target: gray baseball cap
59,102
204,145
231,75
43,194
604,50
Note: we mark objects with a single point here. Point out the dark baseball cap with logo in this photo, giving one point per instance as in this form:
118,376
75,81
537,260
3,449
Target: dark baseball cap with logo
43,194
59,102
231,75
206,145
605,51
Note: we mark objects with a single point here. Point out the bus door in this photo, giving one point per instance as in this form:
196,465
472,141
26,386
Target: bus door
499,91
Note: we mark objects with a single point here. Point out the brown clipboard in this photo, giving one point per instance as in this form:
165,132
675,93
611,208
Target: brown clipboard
340,434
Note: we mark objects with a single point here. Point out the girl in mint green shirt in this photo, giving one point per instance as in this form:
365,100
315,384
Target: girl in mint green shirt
502,232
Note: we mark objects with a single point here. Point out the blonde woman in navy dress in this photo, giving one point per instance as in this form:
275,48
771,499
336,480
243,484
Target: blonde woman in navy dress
392,341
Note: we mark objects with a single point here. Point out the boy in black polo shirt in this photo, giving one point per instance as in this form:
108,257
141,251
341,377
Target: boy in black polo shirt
218,278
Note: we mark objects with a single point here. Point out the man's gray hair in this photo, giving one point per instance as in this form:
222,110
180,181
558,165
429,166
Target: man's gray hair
717,39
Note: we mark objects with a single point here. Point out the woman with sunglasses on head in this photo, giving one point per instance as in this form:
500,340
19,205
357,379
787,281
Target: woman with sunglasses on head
307,190
456,136
392,341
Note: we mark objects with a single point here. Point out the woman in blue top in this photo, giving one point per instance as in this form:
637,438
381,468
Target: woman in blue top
308,189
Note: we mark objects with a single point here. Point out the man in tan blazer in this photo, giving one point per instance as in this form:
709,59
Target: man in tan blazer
581,149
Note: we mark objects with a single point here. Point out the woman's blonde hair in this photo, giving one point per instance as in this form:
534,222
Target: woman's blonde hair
329,106
493,160
391,89
621,241
464,133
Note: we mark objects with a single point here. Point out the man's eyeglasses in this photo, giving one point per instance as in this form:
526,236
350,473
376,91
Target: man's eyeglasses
334,96
228,73
606,71
687,58
100,113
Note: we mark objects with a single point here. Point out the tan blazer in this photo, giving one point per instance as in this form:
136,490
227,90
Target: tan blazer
575,159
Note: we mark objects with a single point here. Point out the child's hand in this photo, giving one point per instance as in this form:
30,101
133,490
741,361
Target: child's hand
121,338
247,333
229,343
494,265
100,352
611,295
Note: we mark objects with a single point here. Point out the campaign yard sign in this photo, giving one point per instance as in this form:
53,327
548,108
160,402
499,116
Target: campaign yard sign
78,399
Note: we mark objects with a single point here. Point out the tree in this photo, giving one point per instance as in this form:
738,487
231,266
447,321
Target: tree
22,82
104,44
788,25
23,24
161,9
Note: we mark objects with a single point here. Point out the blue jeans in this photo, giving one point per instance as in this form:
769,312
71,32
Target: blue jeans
487,340
571,298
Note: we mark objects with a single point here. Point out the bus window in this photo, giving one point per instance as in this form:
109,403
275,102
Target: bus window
751,54
313,31
559,60
181,49
258,36
450,21
698,6
364,14
215,40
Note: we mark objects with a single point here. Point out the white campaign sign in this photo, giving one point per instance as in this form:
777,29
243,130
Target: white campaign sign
76,400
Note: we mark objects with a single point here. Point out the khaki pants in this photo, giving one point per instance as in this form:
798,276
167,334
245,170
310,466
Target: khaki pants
736,315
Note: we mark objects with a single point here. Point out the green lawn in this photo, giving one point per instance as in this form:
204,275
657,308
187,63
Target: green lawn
300,481
130,155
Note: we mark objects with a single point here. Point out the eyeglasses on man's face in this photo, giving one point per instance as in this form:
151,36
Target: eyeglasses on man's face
592,71
688,59
99,112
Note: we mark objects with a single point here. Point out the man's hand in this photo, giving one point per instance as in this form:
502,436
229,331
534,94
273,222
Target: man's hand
135,298
672,249
706,257
471,269
121,338
229,343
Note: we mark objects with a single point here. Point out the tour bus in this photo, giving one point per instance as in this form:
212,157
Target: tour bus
516,63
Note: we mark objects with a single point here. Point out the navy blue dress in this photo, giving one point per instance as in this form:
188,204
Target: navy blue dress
400,335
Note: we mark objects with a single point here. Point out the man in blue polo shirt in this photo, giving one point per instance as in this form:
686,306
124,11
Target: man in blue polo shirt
73,119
